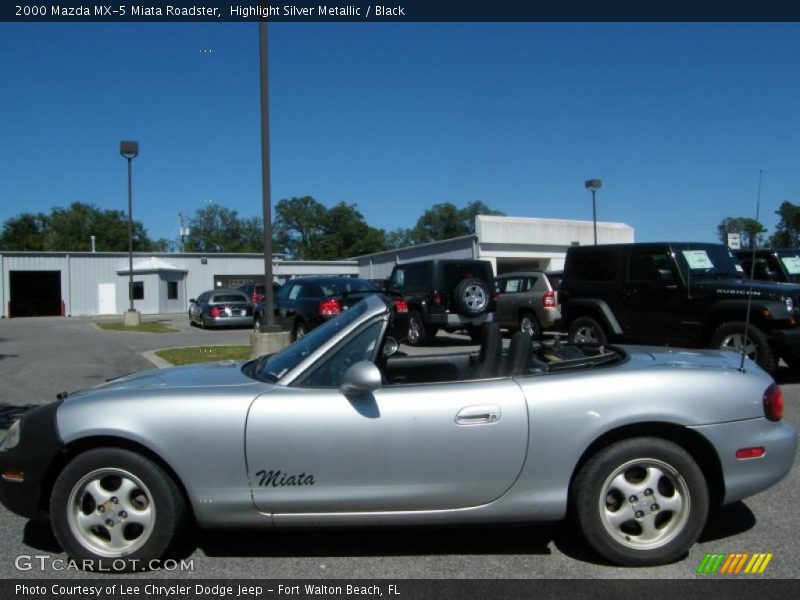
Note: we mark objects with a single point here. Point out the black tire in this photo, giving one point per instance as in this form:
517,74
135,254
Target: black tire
730,335
417,334
529,323
148,516
587,331
472,297
300,329
655,483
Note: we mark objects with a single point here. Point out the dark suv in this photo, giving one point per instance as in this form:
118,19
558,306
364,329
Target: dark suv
772,265
445,294
677,293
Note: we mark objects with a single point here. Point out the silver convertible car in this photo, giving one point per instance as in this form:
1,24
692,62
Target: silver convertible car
343,428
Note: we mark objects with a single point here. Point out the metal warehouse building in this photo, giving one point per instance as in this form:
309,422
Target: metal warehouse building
96,283
510,243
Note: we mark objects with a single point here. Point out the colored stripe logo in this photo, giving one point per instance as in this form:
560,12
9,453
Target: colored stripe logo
735,564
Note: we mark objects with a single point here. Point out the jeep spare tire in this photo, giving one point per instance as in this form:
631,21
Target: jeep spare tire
472,296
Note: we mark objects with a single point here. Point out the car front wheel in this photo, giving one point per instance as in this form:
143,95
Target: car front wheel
115,509
732,336
641,501
585,330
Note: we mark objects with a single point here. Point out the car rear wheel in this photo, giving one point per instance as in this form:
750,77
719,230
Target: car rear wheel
528,323
417,334
472,296
116,509
732,336
585,330
642,501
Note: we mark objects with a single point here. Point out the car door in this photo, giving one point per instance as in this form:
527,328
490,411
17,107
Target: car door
311,449
654,309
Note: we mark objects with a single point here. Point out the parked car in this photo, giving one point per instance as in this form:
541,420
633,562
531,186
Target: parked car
306,302
443,294
678,293
782,265
256,291
639,445
221,308
528,301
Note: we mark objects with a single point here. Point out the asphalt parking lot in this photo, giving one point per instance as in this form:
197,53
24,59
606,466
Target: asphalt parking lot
41,356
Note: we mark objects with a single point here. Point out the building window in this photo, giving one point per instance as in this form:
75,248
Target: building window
172,290
138,290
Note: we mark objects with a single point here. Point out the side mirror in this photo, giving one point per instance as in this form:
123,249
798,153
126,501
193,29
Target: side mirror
192,300
666,276
361,378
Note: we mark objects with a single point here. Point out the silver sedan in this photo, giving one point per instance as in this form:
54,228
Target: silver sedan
638,445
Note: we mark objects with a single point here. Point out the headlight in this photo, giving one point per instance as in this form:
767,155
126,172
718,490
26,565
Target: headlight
12,436
789,304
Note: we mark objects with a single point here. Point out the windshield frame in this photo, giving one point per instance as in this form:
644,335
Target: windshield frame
285,366
725,264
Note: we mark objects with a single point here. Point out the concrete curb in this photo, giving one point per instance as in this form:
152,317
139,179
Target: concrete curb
156,361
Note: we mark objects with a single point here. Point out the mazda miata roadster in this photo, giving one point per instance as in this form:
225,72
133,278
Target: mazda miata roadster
637,444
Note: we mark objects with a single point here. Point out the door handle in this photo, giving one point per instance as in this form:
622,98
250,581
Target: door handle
478,415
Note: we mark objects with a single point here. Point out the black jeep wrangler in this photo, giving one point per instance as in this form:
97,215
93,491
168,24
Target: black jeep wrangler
445,294
771,265
677,293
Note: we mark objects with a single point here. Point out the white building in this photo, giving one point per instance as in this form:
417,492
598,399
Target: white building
96,283
510,243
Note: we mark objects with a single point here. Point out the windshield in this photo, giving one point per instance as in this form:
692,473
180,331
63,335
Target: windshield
708,261
272,368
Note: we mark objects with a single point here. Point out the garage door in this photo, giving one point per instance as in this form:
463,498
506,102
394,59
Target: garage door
35,293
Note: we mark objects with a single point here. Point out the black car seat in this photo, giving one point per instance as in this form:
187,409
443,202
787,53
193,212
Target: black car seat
519,354
491,352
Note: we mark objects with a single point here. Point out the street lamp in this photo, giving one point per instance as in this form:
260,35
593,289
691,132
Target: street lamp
594,185
130,150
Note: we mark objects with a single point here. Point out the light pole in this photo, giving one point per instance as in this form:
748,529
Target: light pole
130,150
594,185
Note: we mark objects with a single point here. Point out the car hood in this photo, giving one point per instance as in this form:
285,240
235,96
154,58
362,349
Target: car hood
223,374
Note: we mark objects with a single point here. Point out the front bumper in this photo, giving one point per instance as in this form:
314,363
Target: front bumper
788,339
745,477
39,445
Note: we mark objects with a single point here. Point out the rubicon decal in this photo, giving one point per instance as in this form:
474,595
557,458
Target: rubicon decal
738,563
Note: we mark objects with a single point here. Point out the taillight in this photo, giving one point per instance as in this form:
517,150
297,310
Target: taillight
437,298
329,307
400,306
773,403
549,299
214,312
495,295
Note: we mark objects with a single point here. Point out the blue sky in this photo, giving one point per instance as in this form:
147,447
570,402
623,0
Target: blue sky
676,119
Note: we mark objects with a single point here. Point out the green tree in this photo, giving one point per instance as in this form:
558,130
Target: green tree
298,225
344,233
71,229
443,221
25,232
215,228
750,231
787,231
